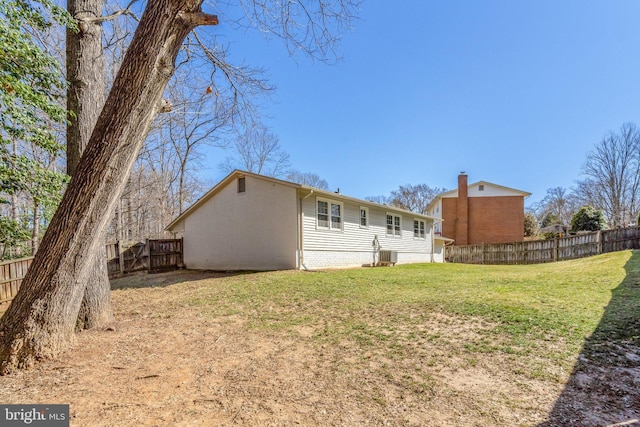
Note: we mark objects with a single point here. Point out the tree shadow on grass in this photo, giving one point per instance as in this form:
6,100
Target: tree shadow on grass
604,387
155,280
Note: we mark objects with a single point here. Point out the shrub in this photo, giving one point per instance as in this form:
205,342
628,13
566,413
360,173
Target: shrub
588,218
530,225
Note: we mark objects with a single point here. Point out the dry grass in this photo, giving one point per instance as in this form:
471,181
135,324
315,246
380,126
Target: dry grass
434,345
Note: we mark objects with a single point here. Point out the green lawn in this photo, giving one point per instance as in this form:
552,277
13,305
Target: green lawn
544,311
428,344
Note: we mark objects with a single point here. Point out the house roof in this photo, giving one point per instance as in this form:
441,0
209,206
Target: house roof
454,192
555,228
312,190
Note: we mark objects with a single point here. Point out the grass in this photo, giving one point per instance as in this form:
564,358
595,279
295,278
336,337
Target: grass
493,344
543,311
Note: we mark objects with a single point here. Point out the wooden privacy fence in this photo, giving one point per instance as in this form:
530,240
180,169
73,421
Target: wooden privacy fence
152,256
11,274
539,251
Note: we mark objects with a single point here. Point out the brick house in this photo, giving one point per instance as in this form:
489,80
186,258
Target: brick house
481,212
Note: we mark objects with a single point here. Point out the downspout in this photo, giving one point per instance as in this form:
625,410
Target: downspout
433,240
301,232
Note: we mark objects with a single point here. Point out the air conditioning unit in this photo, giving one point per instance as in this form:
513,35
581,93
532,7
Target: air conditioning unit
388,257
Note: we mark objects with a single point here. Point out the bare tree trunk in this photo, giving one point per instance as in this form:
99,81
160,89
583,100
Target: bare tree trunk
15,214
95,311
36,227
85,98
40,322
181,187
128,235
86,75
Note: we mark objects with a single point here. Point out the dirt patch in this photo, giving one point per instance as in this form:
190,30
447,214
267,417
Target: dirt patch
170,363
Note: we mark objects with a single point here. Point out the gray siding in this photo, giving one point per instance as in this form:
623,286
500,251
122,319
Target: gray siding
353,244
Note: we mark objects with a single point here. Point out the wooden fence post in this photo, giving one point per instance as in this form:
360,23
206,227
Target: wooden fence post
147,252
120,257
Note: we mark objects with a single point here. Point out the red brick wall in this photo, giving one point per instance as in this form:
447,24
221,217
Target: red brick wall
462,223
491,219
496,219
449,214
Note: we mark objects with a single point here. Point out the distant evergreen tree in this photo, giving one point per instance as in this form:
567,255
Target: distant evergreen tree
530,225
588,218
549,219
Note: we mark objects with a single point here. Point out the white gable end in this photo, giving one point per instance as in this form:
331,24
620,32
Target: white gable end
489,190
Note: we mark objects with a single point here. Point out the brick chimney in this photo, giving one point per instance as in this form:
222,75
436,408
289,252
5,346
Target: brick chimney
462,220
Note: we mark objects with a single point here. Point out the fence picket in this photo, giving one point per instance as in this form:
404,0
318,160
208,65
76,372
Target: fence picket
539,251
154,256
11,274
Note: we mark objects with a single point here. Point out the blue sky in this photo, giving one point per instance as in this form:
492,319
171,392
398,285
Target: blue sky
512,92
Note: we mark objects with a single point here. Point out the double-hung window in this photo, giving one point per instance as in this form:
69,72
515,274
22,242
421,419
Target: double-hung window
394,226
329,215
364,217
323,214
418,229
336,216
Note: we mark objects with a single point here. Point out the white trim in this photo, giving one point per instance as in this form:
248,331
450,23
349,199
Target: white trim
395,228
424,229
241,189
366,217
238,173
330,203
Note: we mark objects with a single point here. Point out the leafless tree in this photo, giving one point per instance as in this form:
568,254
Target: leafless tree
201,119
257,150
41,320
612,176
307,178
559,202
42,317
311,27
415,198
163,181
86,95
382,200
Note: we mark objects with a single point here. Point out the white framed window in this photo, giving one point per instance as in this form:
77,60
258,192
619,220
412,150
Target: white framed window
242,185
394,225
481,187
364,217
419,229
329,214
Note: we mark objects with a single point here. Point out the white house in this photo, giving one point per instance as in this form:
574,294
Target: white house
253,222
